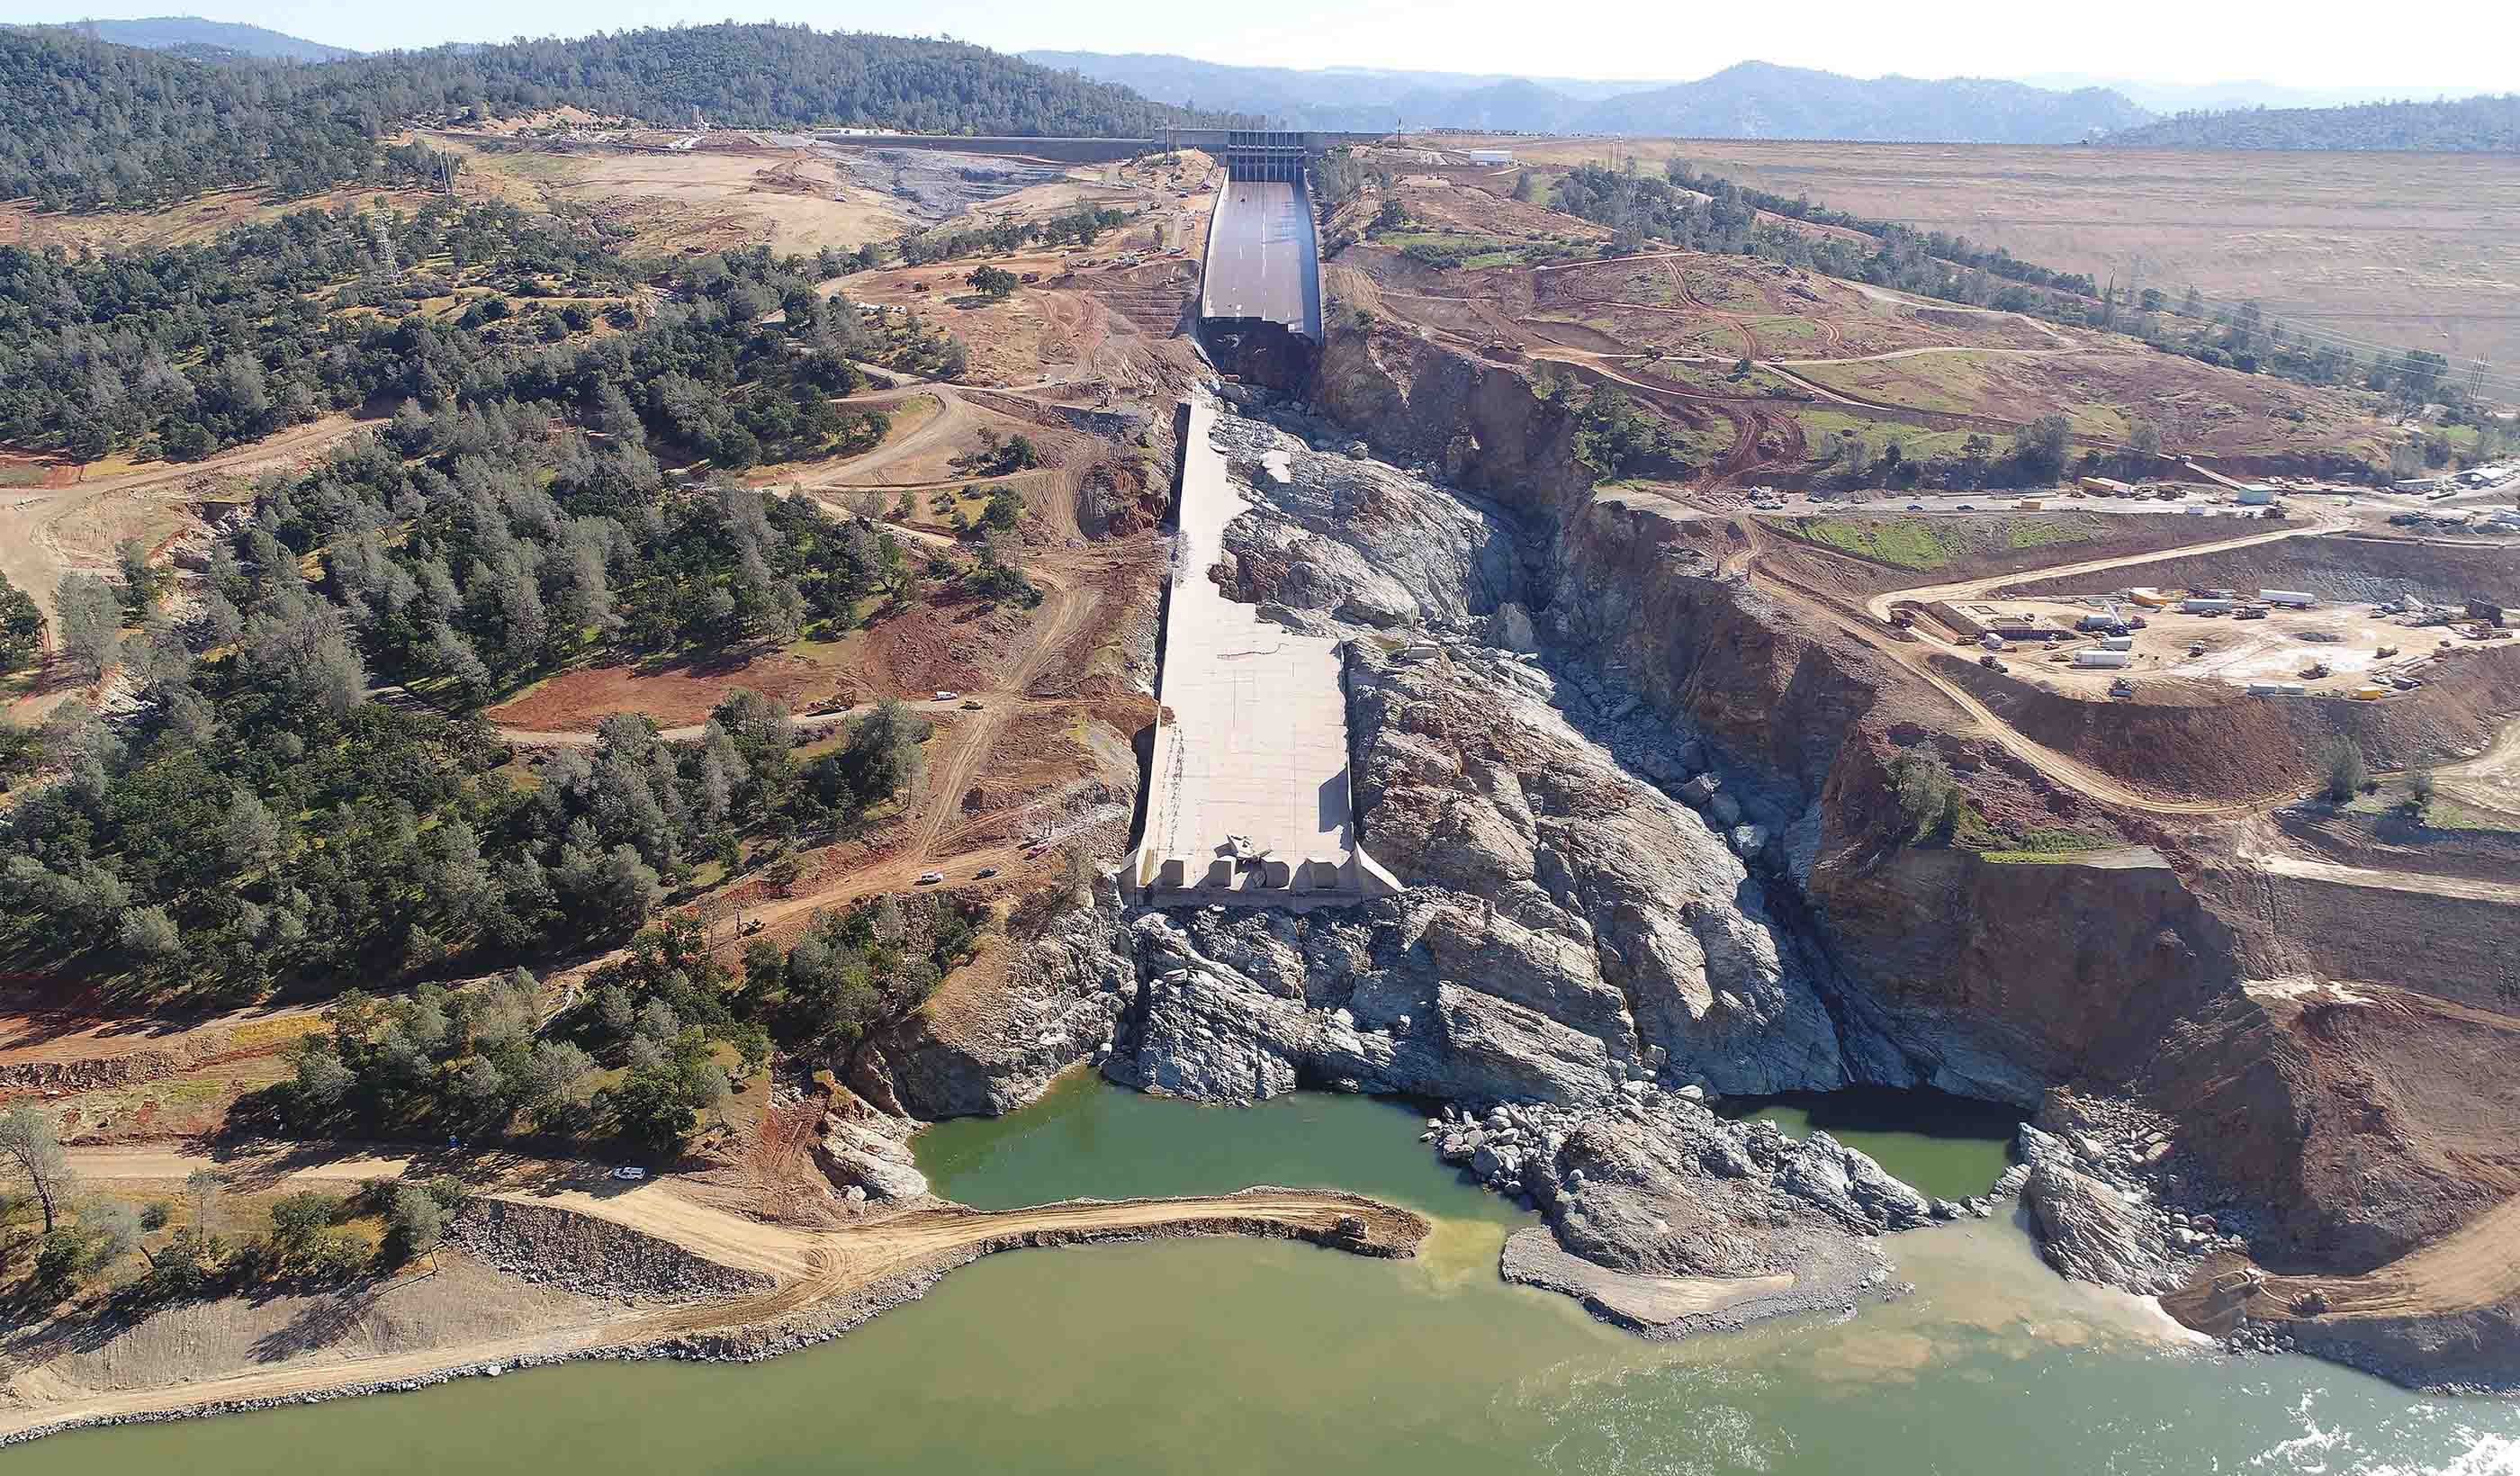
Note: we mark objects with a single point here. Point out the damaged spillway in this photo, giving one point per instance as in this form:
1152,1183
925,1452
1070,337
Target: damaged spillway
1248,800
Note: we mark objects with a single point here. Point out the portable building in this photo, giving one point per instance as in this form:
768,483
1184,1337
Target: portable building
2200,605
2300,600
2274,689
2088,659
2117,643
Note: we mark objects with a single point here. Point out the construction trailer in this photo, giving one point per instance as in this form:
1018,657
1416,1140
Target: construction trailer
2275,689
2107,486
2149,598
2255,495
2297,600
2096,660
2208,605
2117,643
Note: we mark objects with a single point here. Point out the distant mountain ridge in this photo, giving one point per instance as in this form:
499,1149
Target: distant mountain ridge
191,35
2470,125
1749,99
2168,98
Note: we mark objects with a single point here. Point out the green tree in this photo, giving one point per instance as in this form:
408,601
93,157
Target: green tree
21,627
31,1149
91,623
2347,772
993,283
2420,788
415,1222
2043,446
297,1219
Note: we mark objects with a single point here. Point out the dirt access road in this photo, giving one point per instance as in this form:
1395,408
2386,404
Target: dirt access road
1916,657
46,533
841,1269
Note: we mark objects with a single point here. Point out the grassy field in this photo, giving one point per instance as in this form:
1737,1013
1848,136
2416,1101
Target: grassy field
2413,251
1911,543
1823,429
1477,251
1931,543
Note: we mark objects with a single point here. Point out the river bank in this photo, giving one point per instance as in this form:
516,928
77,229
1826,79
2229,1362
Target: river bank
847,1279
1245,1357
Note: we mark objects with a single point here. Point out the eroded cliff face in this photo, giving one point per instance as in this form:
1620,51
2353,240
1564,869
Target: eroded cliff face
1983,979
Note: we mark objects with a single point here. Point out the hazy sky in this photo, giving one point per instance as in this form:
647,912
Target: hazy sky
2451,46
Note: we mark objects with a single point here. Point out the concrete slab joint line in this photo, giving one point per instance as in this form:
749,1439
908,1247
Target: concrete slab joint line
1248,803
1263,259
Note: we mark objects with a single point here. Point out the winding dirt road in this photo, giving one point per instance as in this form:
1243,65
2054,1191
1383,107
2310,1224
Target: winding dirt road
2063,768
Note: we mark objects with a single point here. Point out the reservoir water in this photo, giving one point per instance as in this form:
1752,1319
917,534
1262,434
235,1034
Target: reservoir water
1241,1358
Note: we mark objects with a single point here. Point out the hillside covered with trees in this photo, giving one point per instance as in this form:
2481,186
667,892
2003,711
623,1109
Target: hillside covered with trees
2470,125
94,125
262,819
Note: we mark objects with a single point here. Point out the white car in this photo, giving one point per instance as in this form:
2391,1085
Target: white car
630,1171
947,697
930,878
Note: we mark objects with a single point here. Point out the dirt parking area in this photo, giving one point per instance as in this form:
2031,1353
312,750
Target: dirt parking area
2281,647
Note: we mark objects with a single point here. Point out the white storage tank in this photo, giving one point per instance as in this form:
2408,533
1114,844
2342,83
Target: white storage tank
2102,658
2300,600
2200,605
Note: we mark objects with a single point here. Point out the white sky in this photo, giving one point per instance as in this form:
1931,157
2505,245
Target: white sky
2451,46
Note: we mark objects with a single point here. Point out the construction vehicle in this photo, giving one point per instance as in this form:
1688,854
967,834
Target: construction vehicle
2314,671
1990,664
2121,689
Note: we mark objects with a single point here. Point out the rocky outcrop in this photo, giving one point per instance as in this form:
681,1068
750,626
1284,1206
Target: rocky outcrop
990,1047
1665,1218
1356,540
2088,1229
1475,777
867,1162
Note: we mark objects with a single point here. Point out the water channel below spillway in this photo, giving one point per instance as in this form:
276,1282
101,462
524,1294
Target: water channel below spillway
1233,1357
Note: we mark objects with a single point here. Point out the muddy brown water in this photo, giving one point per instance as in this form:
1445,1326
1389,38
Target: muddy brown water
1247,1357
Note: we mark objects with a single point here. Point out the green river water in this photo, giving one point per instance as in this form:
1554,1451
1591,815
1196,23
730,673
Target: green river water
1241,1358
